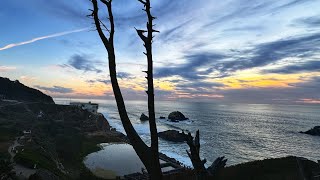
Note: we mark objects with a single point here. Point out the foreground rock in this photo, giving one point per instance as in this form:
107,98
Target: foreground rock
177,116
314,131
275,169
172,135
144,117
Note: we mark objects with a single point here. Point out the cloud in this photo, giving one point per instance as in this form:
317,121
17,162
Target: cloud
307,89
7,68
201,84
309,66
27,79
104,81
174,32
124,75
310,101
313,21
263,54
82,62
189,69
200,65
291,3
107,81
245,28
308,84
199,89
41,38
56,89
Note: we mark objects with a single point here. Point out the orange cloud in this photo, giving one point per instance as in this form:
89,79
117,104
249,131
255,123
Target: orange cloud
7,68
262,81
310,101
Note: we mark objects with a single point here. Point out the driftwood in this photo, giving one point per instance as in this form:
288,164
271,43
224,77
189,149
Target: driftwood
198,163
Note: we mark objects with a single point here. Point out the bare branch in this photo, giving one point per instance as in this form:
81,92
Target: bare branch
141,35
143,2
105,27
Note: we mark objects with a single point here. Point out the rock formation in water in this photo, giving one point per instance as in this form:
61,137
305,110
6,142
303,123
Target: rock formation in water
14,90
172,135
176,116
144,117
314,131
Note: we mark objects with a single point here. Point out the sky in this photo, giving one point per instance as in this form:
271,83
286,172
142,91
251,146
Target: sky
238,51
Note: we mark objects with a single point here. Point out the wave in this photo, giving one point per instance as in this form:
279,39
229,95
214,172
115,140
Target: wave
182,159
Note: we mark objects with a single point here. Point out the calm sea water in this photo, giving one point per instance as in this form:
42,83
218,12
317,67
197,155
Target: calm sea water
240,132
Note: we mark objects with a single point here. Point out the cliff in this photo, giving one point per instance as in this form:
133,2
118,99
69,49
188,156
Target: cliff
17,91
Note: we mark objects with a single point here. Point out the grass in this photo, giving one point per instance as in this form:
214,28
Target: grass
31,156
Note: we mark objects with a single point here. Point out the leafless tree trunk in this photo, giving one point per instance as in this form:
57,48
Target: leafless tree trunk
152,119
148,155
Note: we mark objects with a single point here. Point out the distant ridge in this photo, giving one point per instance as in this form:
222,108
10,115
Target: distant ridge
15,90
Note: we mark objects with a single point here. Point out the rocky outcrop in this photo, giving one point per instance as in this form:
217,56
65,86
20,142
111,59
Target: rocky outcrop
144,117
177,116
314,131
14,90
102,123
172,135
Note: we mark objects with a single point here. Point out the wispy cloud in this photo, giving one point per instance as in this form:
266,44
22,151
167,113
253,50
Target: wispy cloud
7,68
200,65
41,38
55,89
309,66
311,22
83,62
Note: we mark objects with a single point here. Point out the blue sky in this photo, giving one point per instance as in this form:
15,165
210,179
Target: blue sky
231,51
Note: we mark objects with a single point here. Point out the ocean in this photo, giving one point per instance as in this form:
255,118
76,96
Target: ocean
240,132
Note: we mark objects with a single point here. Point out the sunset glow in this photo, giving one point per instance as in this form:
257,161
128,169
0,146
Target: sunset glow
215,56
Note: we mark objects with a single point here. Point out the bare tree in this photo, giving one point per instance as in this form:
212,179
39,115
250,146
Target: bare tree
194,155
148,155
198,164
152,119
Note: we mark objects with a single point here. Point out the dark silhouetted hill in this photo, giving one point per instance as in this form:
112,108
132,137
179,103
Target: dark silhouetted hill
15,90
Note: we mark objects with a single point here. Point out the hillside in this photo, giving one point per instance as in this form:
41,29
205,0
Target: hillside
15,90
61,137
